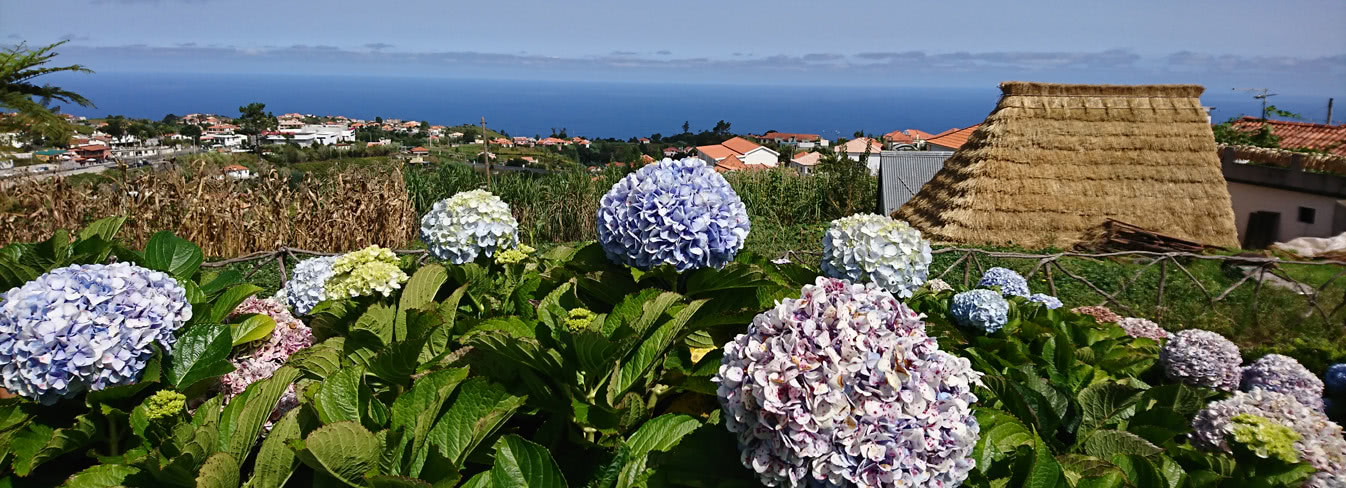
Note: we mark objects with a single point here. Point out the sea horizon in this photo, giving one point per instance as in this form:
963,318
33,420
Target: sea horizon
597,109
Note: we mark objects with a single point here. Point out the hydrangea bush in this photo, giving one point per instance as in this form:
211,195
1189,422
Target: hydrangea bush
1009,282
680,213
1051,302
1138,327
1320,444
86,327
308,285
984,310
1101,314
459,228
874,248
1283,374
259,360
1202,358
365,272
843,387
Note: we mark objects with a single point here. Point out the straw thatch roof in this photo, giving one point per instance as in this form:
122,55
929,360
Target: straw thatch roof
1055,161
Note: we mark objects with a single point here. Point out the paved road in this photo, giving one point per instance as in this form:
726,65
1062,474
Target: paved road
71,169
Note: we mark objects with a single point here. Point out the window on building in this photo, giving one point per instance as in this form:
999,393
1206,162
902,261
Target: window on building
1307,214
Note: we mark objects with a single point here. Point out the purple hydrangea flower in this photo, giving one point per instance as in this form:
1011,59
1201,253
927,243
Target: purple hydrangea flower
1334,379
1138,327
1282,374
1051,302
259,360
86,327
1009,282
681,213
1321,443
984,310
1202,358
1100,314
842,387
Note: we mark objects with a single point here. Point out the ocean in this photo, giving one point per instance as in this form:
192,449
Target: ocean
590,109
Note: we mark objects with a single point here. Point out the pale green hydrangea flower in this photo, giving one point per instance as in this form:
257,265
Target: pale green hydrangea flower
365,272
164,404
1265,438
579,318
515,255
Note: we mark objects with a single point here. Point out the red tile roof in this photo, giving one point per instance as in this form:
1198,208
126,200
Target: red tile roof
947,132
731,163
953,138
235,167
898,137
1301,135
790,136
920,134
716,151
740,145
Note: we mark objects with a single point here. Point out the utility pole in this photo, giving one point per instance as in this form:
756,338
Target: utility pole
1262,94
486,152
1329,111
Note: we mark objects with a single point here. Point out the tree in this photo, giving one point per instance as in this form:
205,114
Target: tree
192,131
253,119
35,119
378,120
115,126
170,119
721,128
686,127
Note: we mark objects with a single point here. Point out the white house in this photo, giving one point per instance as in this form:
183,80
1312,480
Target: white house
751,154
805,162
1279,198
855,149
237,172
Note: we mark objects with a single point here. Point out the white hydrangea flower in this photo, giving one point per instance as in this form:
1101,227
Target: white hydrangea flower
877,249
308,285
459,228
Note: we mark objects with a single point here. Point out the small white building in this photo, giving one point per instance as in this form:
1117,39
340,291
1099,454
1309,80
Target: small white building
805,162
237,172
855,149
1276,204
751,154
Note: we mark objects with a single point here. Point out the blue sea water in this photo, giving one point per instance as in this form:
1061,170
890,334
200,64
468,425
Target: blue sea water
590,109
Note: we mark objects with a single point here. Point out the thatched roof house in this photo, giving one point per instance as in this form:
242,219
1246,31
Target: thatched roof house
1052,162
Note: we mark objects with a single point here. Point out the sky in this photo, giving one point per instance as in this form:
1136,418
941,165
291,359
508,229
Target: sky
1291,46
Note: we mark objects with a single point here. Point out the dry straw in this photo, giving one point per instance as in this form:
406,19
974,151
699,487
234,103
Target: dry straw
1053,162
226,217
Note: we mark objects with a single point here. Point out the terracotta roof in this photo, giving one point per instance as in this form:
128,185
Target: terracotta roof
740,145
91,147
716,151
898,137
920,134
947,132
235,167
731,163
419,149
806,159
953,139
787,136
858,146
1301,135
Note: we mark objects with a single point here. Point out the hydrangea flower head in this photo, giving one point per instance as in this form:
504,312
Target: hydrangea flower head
259,360
1202,358
164,404
308,286
1051,302
1320,442
514,255
842,387
874,248
365,272
579,318
937,285
1282,374
1138,327
1101,314
459,228
680,213
1009,282
1265,438
984,310
86,327
1334,379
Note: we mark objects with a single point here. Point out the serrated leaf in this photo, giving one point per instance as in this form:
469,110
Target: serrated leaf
385,481
1045,471
39,443
523,464
275,460
658,434
101,476
201,352
397,362
478,409
105,228
320,360
219,471
173,255
378,321
227,302
256,327
1107,403
1104,444
338,397
223,280
650,351
415,411
243,419
343,450
418,292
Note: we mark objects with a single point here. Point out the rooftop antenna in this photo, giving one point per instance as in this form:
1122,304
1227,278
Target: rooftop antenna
1261,94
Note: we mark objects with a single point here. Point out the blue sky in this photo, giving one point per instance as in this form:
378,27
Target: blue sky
1293,46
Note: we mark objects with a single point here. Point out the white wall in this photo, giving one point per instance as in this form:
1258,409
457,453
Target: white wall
760,156
1253,198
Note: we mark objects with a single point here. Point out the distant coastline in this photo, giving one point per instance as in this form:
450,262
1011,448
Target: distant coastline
591,109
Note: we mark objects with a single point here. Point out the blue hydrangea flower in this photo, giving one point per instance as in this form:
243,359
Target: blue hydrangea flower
86,327
842,387
681,213
459,228
308,285
1010,282
1202,358
984,310
1051,302
877,249
1283,374
1334,379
